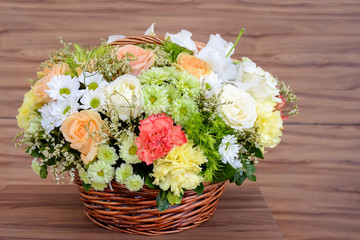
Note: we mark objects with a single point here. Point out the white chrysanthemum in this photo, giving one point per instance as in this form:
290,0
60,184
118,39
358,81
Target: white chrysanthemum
101,172
63,108
64,86
134,182
229,151
94,100
123,172
213,84
128,151
93,81
99,186
54,113
47,117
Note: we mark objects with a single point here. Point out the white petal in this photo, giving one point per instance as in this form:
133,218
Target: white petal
150,31
183,39
113,38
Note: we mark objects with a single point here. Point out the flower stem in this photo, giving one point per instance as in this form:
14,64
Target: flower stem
237,40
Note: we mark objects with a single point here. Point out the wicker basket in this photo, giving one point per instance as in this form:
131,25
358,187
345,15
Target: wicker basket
119,209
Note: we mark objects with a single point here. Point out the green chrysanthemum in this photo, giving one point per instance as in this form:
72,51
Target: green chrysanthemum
134,182
188,84
123,172
99,186
155,99
172,92
154,75
35,165
107,154
100,172
182,109
128,151
84,175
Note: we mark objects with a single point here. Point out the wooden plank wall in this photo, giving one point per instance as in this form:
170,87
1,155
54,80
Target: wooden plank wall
311,181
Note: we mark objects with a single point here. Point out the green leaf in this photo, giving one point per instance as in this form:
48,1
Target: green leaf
50,162
249,168
252,178
70,166
149,182
199,189
256,151
43,171
86,186
225,173
238,178
161,201
172,199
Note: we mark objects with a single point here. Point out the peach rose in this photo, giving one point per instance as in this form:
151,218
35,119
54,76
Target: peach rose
144,58
46,75
76,129
193,65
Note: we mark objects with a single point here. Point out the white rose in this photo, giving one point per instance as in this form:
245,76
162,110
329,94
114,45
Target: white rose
260,84
125,91
241,113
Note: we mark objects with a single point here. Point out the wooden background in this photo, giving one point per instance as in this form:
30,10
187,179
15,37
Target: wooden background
311,182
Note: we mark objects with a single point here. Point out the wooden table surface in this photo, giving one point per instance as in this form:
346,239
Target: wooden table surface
56,212
311,180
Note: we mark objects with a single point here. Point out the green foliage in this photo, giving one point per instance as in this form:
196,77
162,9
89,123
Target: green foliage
249,170
174,50
199,189
256,152
172,199
162,201
238,178
290,108
86,186
225,172
208,133
43,171
149,182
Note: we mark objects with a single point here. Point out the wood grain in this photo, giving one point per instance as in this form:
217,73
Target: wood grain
56,212
310,182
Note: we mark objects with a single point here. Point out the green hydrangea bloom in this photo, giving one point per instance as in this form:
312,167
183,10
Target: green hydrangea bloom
35,165
128,151
134,182
100,172
84,175
123,172
107,154
154,75
172,92
99,186
188,84
155,99
182,109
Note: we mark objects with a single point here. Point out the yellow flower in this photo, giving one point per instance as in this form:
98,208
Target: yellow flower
179,169
269,124
26,111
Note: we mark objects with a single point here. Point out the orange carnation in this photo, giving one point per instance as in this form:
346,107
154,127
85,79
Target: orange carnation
76,129
144,59
46,75
193,65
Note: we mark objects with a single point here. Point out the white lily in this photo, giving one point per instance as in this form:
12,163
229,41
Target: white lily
150,31
183,39
113,38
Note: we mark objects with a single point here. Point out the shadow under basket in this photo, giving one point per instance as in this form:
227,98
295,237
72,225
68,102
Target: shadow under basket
137,213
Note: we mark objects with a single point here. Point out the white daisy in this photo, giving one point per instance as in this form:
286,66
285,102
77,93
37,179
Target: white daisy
64,86
128,151
47,118
63,108
101,172
92,81
93,100
229,151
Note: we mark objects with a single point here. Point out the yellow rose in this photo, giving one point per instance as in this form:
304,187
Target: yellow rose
26,111
46,75
76,129
193,65
269,124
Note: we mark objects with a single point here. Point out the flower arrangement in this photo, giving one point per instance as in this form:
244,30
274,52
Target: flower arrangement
168,116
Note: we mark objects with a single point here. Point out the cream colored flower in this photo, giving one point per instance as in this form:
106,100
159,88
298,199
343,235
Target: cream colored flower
125,94
238,107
